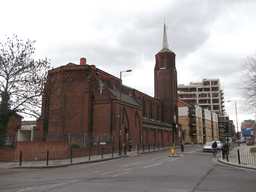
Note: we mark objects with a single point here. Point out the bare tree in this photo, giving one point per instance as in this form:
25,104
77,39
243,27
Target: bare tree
248,83
22,80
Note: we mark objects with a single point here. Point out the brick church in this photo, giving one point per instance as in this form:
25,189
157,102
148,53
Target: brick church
83,99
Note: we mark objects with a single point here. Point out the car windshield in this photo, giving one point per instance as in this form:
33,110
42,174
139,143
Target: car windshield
218,142
208,144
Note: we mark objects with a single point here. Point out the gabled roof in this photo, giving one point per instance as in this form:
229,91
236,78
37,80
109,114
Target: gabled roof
185,103
156,122
124,98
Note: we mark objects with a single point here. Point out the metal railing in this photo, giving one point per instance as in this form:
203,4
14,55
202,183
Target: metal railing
54,158
239,156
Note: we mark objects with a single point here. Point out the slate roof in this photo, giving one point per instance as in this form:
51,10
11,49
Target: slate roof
124,97
155,122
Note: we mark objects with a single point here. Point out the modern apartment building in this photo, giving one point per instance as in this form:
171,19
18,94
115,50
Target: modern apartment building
207,94
199,125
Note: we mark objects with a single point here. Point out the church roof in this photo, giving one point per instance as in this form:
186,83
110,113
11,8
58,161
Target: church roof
156,122
165,42
124,97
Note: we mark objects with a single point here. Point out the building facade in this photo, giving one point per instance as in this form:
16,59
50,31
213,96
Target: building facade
199,125
207,94
85,100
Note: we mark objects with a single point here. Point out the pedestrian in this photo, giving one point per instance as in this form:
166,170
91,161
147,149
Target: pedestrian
224,150
214,148
130,144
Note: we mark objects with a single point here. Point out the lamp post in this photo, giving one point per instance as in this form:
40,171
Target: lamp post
236,120
236,116
120,119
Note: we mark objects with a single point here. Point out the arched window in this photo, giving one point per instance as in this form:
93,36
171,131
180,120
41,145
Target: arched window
114,87
162,66
136,119
100,81
124,117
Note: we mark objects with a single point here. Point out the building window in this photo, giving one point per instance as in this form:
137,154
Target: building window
114,87
162,66
8,140
100,81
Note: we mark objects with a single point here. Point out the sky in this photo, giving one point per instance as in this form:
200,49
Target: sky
211,38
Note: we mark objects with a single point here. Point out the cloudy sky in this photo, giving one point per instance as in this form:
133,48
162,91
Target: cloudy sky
211,38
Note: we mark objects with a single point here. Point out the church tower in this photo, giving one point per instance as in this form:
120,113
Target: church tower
165,80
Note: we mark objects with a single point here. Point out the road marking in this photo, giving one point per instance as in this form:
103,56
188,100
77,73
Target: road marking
173,159
121,174
46,187
111,171
158,158
84,174
132,164
152,165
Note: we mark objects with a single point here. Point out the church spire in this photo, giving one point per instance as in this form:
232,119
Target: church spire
165,42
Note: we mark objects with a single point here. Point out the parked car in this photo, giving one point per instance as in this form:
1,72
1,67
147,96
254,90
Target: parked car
207,147
219,144
249,142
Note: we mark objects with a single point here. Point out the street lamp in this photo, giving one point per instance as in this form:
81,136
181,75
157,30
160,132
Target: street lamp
120,147
236,116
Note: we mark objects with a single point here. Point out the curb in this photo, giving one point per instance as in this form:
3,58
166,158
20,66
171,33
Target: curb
65,165
236,165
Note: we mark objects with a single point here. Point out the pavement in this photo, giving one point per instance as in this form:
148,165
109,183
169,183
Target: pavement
247,161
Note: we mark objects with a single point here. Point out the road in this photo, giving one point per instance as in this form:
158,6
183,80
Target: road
156,171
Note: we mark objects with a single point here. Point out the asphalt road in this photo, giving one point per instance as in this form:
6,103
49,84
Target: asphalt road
156,171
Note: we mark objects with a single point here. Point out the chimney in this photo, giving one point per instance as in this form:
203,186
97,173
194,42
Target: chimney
83,61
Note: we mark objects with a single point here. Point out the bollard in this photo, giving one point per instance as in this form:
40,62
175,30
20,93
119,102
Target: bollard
125,150
143,147
20,156
47,161
148,147
238,156
181,147
112,151
102,153
89,153
138,148
71,156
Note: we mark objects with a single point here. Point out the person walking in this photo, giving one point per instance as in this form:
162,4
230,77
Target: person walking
130,144
214,148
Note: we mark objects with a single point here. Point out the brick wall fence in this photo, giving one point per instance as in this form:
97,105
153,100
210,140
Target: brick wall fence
32,147
37,150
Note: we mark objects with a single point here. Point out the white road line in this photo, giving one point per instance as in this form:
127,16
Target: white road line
152,165
45,187
173,159
158,158
121,174
131,164
85,174
111,171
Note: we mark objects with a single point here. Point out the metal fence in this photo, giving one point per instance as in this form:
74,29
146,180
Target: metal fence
79,140
238,156
37,158
242,157
54,158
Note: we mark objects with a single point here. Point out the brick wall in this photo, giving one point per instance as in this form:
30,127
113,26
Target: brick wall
7,154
